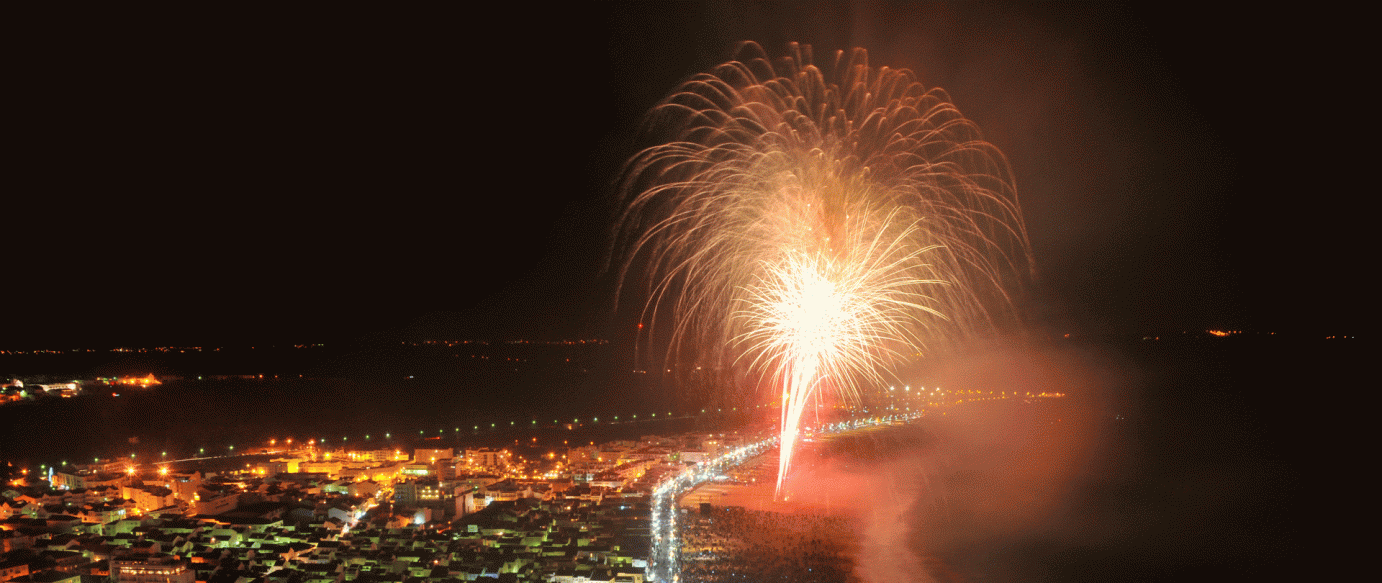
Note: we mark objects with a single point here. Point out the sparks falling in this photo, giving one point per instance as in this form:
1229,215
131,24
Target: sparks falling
815,230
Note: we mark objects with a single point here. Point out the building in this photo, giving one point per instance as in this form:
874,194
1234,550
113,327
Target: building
496,459
151,569
431,456
183,486
13,568
423,492
148,498
88,479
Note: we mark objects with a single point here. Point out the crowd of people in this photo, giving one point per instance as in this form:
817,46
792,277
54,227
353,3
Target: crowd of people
733,544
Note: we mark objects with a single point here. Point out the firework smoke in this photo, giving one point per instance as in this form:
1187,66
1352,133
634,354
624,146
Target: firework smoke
815,228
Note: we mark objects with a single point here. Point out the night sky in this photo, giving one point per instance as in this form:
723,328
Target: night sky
271,177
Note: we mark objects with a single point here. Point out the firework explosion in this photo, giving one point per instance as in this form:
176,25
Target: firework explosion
814,229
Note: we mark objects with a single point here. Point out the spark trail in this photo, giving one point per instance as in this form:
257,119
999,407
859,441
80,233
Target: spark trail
813,229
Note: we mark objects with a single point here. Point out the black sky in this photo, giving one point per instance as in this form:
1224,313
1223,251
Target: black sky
273,177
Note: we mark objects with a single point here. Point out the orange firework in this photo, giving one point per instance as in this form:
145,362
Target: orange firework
817,228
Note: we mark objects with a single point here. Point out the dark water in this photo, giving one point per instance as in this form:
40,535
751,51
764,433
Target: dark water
451,394
191,418
1167,461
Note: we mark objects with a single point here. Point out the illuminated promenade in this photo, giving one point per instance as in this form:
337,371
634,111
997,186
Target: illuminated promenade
665,559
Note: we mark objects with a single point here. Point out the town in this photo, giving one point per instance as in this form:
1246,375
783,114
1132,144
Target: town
415,510
312,515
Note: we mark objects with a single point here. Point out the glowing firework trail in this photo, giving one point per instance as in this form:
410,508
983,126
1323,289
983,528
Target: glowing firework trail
815,229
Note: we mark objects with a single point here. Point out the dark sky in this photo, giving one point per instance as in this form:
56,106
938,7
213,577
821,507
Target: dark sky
273,177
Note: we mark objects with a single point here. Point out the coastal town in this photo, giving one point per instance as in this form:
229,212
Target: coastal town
301,512
308,515
414,511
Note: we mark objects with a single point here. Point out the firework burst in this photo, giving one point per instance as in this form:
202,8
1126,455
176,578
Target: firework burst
816,229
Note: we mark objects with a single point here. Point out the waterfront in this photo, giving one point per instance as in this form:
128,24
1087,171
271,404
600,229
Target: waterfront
191,418
1082,488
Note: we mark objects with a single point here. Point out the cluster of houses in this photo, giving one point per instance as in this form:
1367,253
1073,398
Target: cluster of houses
575,515
14,390
556,540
